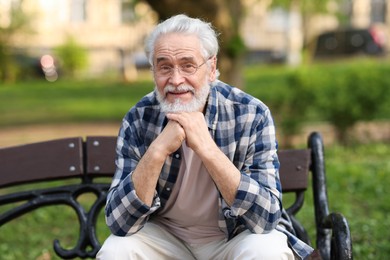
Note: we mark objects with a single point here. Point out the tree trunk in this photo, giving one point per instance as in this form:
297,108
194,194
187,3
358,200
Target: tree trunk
294,34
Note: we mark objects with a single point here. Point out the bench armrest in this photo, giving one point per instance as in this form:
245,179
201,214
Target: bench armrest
333,235
340,242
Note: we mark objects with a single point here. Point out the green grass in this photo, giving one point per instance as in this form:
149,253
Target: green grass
31,236
91,101
357,179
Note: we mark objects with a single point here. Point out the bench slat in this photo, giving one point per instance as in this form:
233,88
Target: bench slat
101,155
294,169
49,160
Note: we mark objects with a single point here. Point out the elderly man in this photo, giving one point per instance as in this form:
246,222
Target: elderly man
197,170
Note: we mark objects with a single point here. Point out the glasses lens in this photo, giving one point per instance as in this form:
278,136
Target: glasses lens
188,69
185,69
164,70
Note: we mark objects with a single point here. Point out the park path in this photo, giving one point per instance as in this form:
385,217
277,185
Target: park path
9,136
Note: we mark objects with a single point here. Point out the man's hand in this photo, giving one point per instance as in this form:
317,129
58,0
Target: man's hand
225,175
196,131
170,138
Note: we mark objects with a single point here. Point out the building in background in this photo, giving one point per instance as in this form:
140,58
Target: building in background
113,31
271,33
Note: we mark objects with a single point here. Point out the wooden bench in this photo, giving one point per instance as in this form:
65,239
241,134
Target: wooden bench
93,157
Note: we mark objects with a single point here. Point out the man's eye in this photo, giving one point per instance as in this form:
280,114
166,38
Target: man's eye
165,68
188,66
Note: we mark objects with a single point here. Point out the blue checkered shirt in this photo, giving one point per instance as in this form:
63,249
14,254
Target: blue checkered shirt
243,128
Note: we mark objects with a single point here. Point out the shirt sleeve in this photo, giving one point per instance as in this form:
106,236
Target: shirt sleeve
258,200
125,212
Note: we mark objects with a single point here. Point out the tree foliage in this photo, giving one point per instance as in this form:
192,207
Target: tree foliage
18,21
72,56
341,94
306,6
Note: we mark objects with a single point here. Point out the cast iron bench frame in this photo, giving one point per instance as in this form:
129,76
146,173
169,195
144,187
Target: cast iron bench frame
89,159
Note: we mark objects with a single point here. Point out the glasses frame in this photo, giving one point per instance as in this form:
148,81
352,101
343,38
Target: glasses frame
178,68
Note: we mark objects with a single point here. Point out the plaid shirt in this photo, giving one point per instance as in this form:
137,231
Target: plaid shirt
243,129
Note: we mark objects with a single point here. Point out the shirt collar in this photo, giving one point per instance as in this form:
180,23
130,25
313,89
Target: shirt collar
212,108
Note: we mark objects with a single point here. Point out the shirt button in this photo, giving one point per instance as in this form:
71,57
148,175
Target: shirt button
177,156
168,189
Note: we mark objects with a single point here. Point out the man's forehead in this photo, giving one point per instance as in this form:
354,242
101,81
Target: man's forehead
186,58
177,46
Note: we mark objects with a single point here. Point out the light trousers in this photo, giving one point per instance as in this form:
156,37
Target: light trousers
154,242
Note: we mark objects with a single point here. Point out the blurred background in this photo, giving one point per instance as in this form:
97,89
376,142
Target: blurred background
94,38
94,42
75,67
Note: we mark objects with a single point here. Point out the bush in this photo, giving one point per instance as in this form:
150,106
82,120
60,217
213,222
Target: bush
72,56
344,95
271,85
8,70
341,94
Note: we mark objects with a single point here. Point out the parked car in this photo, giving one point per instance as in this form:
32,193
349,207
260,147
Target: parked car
349,42
265,56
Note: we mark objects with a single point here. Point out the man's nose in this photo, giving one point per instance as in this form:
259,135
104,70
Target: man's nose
176,78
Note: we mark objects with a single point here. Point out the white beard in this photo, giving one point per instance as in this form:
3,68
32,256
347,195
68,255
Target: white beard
196,104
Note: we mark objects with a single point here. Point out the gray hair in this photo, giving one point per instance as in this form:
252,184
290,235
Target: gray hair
183,24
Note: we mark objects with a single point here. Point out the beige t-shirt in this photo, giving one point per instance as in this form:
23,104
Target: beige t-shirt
191,212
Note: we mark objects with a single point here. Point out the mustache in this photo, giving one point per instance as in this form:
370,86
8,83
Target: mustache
179,89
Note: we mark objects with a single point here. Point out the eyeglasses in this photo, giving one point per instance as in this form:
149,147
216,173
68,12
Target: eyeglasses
186,69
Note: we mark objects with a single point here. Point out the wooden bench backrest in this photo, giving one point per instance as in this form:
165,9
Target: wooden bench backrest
50,160
100,159
294,169
70,157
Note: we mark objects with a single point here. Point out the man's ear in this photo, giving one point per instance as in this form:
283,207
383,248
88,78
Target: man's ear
213,69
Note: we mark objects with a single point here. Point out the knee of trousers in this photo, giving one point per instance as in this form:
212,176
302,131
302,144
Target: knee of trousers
264,246
116,247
